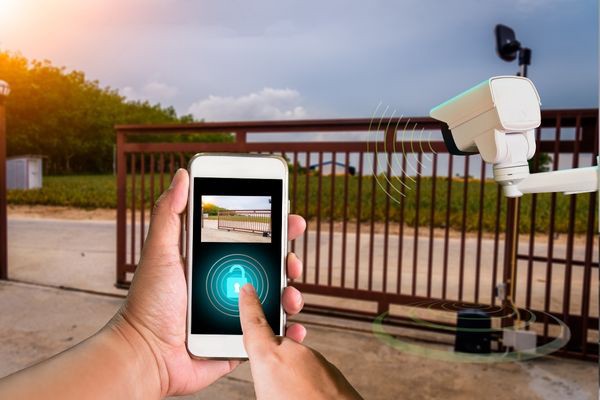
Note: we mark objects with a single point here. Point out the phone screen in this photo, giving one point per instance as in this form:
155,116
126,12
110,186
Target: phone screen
237,240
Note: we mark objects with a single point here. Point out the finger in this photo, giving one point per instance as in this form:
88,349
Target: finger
257,332
292,300
165,224
296,226
296,332
294,266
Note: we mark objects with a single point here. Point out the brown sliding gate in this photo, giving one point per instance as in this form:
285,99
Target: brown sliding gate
252,221
439,236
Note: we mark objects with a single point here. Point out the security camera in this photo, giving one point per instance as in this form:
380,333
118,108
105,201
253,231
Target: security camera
497,119
507,45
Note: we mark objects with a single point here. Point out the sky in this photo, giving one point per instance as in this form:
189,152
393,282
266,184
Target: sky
239,202
276,59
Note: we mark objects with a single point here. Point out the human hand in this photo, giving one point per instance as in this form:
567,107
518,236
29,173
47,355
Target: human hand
155,310
282,368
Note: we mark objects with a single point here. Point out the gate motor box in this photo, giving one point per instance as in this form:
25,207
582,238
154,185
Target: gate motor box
473,332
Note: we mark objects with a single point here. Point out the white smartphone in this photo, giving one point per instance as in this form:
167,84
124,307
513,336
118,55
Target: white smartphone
236,234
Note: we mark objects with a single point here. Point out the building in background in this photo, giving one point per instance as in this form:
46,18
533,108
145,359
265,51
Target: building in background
24,172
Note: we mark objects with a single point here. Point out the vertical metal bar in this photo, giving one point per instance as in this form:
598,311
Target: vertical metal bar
121,209
358,218
152,170
536,163
295,187
331,211
479,230
162,173
550,254
416,231
307,216
571,229
461,276
587,273
345,219
142,199
401,227
133,208
318,240
386,229
182,216
240,139
447,227
589,246
496,242
295,193
3,193
431,225
510,255
181,161
171,166
372,217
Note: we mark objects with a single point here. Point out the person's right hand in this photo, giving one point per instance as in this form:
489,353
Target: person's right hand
283,368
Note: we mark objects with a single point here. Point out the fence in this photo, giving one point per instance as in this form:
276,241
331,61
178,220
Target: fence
253,221
437,239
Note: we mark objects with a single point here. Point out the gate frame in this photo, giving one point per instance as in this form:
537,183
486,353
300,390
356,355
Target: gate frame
586,136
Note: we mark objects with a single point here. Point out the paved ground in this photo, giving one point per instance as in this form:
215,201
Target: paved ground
211,233
81,254
37,322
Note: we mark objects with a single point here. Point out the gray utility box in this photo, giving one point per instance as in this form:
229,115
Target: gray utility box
24,172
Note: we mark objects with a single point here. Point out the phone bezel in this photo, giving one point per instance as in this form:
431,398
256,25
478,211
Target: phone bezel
228,165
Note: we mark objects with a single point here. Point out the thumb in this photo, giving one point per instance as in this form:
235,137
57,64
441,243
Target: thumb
258,335
165,224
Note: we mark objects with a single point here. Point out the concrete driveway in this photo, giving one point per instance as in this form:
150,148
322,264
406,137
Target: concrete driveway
81,254
211,233
37,322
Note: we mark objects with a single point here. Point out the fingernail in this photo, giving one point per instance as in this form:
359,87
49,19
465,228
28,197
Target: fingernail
249,289
177,173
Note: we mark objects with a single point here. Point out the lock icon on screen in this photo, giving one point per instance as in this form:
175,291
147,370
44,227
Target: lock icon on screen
235,283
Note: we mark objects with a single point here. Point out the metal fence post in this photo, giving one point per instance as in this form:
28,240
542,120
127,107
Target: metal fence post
121,209
511,245
3,200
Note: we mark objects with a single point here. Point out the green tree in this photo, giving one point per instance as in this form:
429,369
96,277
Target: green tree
543,161
70,120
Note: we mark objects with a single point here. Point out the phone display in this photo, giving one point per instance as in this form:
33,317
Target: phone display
237,239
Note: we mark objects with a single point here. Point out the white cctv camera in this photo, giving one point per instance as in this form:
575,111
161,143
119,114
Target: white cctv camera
497,119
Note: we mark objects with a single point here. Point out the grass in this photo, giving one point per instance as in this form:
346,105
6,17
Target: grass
84,191
99,191
457,202
245,218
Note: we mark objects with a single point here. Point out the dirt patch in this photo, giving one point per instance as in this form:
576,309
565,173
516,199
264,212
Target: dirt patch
61,212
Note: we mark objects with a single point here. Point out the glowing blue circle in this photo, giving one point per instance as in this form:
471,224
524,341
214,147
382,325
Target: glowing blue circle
216,282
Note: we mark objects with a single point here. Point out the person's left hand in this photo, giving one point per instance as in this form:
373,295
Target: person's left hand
155,309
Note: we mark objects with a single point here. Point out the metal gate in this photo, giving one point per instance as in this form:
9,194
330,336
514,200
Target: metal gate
437,238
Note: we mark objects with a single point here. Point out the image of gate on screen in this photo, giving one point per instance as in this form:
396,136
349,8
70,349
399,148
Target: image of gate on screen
236,219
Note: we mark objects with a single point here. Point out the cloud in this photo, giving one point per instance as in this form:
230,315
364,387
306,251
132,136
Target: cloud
535,5
267,103
154,92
